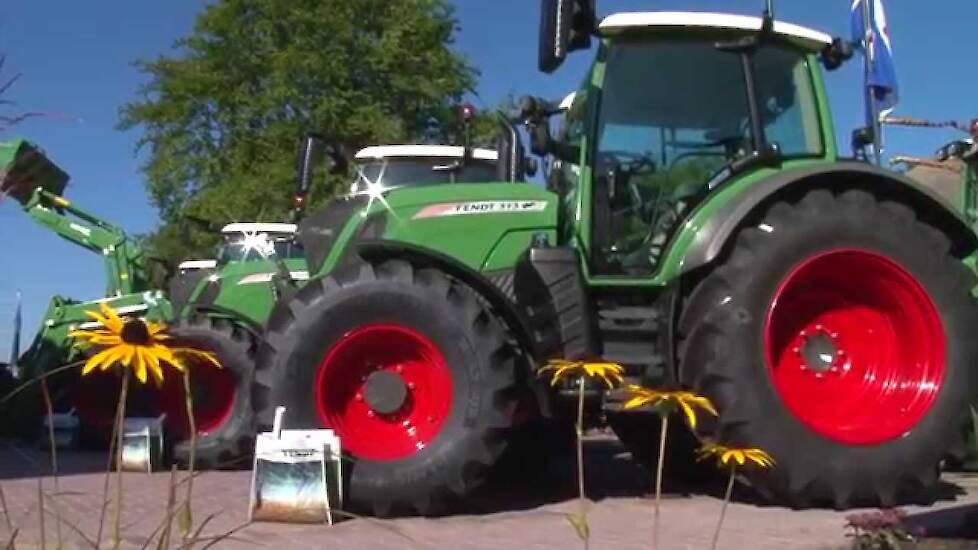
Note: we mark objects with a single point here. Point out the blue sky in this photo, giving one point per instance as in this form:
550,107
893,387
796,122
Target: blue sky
76,62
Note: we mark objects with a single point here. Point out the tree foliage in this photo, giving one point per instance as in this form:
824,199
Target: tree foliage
221,119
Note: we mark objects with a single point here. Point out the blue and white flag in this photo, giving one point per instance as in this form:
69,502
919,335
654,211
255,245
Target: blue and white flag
881,77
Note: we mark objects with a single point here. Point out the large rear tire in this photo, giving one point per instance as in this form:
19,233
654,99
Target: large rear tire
837,335
409,367
224,413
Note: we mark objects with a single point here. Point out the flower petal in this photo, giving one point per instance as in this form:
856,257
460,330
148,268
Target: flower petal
95,361
690,413
112,320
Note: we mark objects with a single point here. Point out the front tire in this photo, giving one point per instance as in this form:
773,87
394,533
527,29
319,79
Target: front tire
224,413
409,367
836,335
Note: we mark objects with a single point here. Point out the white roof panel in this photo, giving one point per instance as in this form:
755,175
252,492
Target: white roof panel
442,151
804,36
259,228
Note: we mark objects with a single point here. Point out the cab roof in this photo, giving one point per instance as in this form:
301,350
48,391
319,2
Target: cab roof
422,151
283,228
670,20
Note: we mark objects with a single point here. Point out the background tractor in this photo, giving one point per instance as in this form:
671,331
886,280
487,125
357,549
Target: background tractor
223,416
704,231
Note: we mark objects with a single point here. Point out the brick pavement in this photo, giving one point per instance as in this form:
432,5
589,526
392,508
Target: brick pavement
521,516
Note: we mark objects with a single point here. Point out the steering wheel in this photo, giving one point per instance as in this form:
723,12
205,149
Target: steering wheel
627,164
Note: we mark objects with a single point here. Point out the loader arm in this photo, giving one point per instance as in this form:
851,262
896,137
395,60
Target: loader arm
125,263
32,179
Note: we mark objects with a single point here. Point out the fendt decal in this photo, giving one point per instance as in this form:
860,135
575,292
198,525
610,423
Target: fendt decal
479,207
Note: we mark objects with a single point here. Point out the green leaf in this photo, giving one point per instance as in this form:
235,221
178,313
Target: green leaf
185,520
579,522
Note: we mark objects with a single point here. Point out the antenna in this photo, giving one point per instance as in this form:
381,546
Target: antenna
767,27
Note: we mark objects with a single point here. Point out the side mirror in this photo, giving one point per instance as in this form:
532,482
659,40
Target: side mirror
511,160
565,26
836,54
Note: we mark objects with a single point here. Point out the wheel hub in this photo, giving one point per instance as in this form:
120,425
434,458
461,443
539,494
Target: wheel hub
854,347
385,389
385,392
819,352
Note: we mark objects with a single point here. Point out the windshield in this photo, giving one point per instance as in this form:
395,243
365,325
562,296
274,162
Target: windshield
676,104
241,249
423,171
672,115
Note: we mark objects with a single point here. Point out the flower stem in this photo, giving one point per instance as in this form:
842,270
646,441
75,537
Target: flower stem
120,417
192,425
723,511
580,439
580,456
54,456
658,477
108,478
6,511
40,512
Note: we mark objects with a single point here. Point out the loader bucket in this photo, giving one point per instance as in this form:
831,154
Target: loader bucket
24,167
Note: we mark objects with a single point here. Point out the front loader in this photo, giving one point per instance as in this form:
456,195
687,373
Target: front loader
222,397
704,231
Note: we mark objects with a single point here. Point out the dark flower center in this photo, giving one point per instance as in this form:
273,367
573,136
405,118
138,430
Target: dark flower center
135,332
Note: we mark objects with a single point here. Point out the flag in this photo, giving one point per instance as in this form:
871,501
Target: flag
875,44
15,344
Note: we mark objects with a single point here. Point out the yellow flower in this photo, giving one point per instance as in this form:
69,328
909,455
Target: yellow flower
686,400
727,456
609,373
134,344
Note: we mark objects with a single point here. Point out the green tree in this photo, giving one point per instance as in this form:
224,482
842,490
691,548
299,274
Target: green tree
222,118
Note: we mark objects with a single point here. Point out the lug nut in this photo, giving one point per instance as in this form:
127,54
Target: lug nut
399,368
371,414
411,385
359,397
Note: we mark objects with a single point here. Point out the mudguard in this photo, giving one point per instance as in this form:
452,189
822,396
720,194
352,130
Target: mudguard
713,235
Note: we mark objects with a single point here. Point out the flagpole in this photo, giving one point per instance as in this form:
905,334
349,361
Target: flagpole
15,344
872,109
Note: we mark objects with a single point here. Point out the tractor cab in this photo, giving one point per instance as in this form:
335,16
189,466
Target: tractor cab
390,166
676,105
258,241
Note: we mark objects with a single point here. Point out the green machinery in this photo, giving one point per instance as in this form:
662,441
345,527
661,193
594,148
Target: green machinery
32,179
37,183
700,227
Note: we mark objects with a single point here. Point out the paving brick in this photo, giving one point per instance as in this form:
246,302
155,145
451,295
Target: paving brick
526,516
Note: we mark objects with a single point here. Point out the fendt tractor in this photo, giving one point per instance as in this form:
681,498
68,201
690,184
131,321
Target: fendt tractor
224,421
703,229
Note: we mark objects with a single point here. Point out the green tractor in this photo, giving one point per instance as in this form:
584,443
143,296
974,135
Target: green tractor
223,418
703,230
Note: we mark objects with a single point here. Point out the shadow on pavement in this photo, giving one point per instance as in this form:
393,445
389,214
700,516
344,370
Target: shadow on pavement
958,522
20,460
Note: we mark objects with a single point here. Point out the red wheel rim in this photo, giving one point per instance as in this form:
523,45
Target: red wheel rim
855,347
212,391
348,374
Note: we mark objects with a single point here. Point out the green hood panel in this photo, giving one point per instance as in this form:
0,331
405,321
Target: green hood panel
485,226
